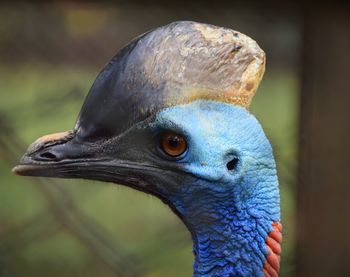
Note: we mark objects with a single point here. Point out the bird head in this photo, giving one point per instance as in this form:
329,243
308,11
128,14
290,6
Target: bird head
168,116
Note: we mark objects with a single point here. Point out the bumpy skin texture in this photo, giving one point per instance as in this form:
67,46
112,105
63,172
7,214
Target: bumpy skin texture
193,79
273,244
230,213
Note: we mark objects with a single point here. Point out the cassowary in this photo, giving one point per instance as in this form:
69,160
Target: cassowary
168,116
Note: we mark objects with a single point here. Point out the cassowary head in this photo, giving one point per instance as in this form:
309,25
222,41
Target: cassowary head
168,116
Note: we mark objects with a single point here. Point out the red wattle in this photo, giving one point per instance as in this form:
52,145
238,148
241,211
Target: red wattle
273,244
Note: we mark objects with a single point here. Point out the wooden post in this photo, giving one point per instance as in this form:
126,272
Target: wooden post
323,204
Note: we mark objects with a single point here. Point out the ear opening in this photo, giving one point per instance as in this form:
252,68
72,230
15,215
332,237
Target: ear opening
232,164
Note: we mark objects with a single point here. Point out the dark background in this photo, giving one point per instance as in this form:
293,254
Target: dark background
50,54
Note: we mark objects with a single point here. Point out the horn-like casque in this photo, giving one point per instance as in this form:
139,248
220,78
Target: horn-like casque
171,65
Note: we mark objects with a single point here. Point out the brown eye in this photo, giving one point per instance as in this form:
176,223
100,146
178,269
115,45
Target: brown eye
173,144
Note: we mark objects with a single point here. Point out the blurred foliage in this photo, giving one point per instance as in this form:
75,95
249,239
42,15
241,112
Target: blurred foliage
42,222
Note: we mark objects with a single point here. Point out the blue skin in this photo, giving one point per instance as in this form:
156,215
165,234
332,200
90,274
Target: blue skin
228,212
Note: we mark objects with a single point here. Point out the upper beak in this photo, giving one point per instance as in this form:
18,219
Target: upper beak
56,155
66,155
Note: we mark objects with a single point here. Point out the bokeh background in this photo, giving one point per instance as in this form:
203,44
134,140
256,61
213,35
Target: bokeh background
50,54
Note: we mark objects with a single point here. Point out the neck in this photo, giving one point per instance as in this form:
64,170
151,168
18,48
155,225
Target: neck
232,239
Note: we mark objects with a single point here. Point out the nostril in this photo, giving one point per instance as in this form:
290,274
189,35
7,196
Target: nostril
231,165
48,155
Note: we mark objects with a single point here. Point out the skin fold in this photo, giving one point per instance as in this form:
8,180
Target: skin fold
229,212
194,80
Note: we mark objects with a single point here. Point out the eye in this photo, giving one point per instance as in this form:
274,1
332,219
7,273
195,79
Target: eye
173,144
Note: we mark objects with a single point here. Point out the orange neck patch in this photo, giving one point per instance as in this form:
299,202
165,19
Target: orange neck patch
273,244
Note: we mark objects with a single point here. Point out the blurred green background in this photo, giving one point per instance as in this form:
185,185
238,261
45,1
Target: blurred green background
50,55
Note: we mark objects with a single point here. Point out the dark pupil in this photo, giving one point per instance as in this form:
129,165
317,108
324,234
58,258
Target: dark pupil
173,142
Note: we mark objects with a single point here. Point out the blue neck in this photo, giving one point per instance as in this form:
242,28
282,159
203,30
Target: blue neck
231,213
229,238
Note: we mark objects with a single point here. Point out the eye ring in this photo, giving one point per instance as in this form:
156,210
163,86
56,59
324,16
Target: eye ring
172,144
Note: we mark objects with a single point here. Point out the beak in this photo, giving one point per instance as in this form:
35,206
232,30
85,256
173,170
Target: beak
49,153
70,155
67,155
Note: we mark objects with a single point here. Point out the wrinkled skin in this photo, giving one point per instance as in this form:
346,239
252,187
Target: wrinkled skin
229,212
193,79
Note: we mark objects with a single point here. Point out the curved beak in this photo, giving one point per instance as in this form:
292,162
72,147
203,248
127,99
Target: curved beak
70,155
65,155
49,154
